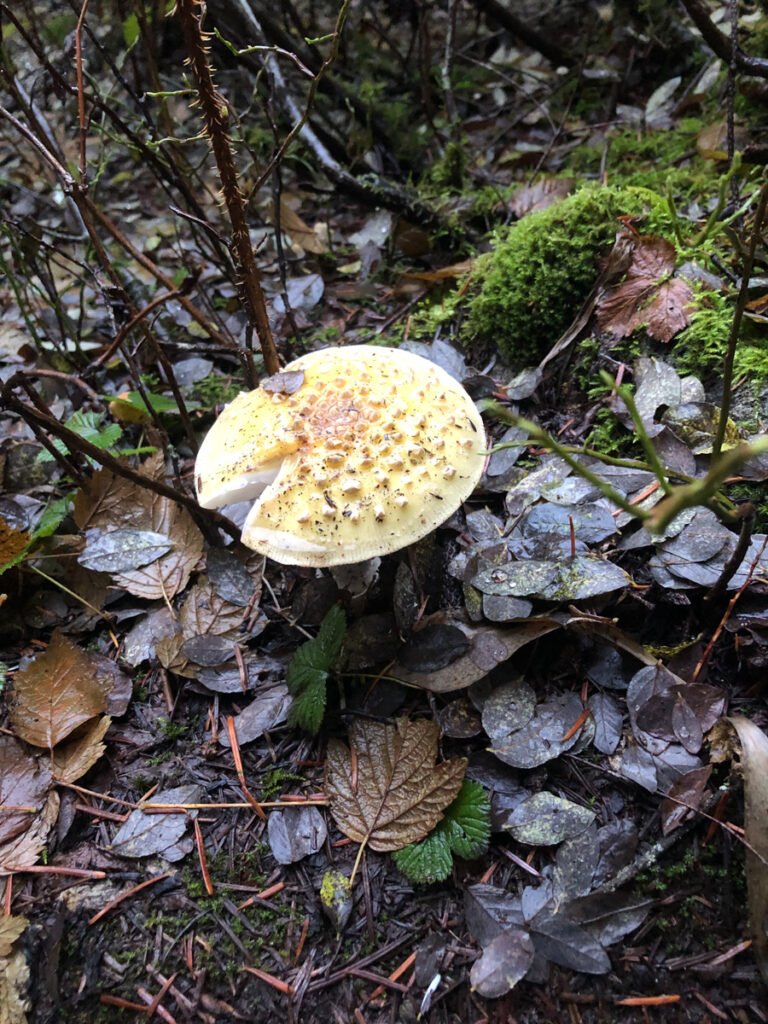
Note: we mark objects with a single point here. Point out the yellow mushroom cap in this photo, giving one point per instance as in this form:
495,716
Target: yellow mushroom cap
375,448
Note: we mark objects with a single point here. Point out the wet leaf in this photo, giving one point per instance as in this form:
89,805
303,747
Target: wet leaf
490,647
591,523
754,760
568,579
122,550
684,796
638,766
109,503
145,834
24,782
504,962
575,864
393,794
608,916
433,648
57,691
608,722
295,833
229,577
508,708
542,737
490,911
73,759
565,943
269,709
545,820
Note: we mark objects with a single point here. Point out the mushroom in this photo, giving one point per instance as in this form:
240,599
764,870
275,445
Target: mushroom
372,450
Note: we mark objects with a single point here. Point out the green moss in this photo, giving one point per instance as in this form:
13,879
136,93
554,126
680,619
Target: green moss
700,348
525,293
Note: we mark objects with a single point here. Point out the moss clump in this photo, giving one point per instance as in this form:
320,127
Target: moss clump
525,293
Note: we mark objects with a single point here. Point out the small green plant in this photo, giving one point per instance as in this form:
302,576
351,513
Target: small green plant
309,669
464,831
91,427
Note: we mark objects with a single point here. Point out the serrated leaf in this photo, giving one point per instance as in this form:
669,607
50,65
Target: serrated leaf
87,425
465,831
467,822
390,793
10,929
309,669
426,862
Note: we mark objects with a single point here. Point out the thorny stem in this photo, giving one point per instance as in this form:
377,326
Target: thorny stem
741,305
214,112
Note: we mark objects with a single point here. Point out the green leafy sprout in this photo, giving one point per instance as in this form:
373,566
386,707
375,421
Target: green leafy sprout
465,831
309,669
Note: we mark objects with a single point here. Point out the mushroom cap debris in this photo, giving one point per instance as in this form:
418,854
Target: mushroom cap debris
373,449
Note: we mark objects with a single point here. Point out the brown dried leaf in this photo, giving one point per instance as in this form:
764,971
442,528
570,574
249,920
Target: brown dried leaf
390,792
301,233
72,760
648,295
14,988
10,929
59,690
12,542
540,195
24,782
110,503
24,850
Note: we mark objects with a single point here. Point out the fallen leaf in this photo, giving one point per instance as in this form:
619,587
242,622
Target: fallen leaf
269,709
145,834
24,782
73,759
539,196
504,962
24,851
109,503
55,693
10,929
565,943
122,550
545,820
490,646
295,833
301,233
394,794
14,989
648,294
683,798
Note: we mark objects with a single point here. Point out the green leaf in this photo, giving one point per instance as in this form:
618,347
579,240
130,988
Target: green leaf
426,862
464,830
52,517
87,425
467,822
131,30
309,669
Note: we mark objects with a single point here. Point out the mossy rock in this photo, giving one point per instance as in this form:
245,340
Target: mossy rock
526,292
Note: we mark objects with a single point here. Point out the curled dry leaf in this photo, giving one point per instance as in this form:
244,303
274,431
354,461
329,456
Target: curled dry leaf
24,782
24,850
59,690
390,792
